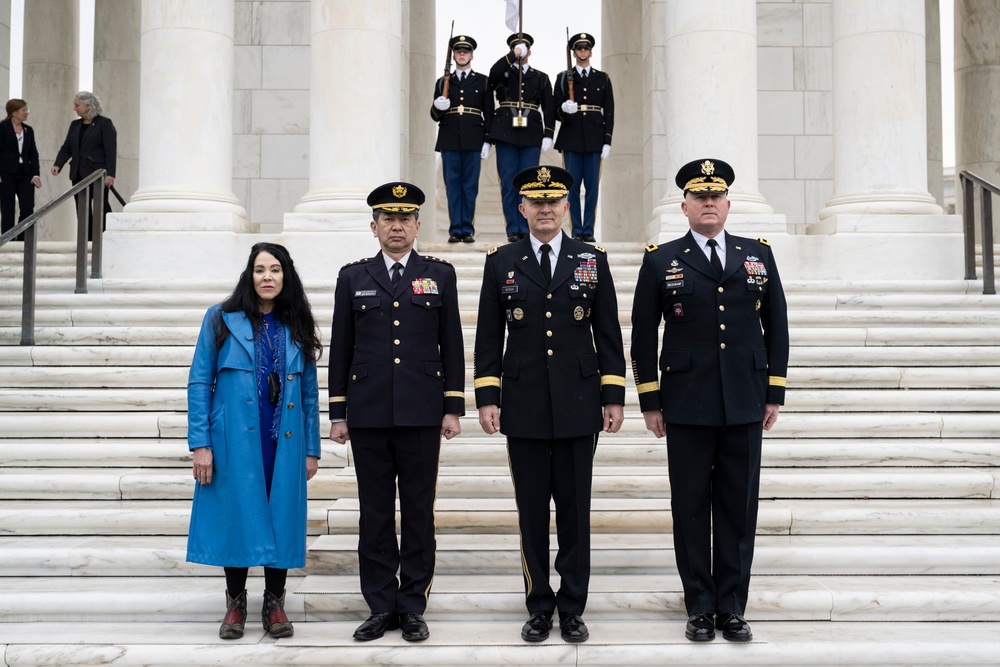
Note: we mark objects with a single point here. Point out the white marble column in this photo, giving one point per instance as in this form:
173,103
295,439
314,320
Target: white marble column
623,215
935,138
424,67
116,82
51,77
186,125
4,45
710,105
977,92
355,116
879,112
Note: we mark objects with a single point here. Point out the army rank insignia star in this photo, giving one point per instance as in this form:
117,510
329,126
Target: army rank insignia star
424,286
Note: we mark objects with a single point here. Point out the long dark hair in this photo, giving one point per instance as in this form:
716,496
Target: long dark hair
291,306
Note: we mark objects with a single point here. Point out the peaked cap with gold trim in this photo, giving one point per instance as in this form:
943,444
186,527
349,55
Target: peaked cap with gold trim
396,197
543,182
463,42
705,175
581,38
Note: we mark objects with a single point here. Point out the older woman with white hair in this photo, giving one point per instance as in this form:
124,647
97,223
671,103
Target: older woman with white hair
91,143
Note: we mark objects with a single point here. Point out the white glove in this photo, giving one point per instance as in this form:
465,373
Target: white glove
569,106
442,103
546,144
485,154
520,49
606,151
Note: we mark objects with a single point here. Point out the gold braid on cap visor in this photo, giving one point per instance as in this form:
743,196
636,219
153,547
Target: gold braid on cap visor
537,190
702,183
397,208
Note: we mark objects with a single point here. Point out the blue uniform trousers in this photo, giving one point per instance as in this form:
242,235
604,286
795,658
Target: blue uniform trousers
461,182
510,160
585,168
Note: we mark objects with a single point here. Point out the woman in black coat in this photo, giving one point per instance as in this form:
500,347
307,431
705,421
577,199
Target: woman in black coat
18,164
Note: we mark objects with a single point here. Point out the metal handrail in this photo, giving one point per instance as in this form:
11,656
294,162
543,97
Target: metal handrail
968,181
27,227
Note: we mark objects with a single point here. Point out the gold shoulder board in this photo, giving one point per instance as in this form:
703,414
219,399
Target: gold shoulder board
764,242
492,250
651,247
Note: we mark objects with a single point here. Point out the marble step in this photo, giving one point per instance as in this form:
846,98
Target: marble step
654,553
648,482
500,596
798,516
460,643
164,556
852,357
848,425
920,335
810,377
478,449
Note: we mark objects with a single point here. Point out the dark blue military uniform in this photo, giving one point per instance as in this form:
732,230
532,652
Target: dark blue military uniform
518,147
582,136
397,367
724,356
462,131
563,361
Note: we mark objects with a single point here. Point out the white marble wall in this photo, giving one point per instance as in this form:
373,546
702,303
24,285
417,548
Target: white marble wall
4,45
271,112
795,107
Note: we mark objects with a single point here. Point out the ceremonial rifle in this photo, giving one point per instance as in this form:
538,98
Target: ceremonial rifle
570,70
447,61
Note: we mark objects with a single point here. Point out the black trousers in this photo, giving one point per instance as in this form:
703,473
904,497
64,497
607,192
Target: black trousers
383,457
542,471
714,488
16,184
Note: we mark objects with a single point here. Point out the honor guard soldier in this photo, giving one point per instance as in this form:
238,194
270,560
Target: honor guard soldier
463,118
723,363
555,299
587,119
523,123
397,377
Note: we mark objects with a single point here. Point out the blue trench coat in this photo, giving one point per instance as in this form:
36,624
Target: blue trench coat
232,522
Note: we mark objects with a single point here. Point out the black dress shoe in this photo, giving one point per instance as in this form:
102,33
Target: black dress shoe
513,237
468,238
537,628
572,628
700,628
376,625
734,628
454,238
589,238
414,627
577,237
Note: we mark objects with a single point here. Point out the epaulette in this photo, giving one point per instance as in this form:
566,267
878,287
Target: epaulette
357,261
600,249
492,250
764,241
652,247
437,259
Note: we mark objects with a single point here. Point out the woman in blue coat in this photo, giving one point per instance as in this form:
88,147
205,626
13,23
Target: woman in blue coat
253,428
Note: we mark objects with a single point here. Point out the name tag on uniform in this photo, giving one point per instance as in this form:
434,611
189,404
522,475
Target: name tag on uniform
674,284
366,292
508,289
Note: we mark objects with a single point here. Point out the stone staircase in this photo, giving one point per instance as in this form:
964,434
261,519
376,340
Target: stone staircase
878,539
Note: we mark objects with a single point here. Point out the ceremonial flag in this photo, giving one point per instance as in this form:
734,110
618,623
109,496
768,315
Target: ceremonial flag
512,12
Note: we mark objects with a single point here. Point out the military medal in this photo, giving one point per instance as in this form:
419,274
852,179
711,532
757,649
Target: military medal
424,286
518,314
678,310
586,272
578,313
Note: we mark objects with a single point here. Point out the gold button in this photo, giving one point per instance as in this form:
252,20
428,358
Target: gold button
509,297
395,342
722,346
289,377
722,307
668,369
548,296
674,293
550,353
395,304
549,315
396,360
721,290
427,303
363,307
722,326
288,434
549,334
354,377
395,323
291,406
584,295
439,373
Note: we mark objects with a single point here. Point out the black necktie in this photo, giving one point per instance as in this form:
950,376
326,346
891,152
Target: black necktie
583,75
396,273
546,263
716,262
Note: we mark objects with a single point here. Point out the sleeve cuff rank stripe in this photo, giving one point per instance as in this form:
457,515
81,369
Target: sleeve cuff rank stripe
454,394
776,381
616,380
338,399
488,381
647,387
